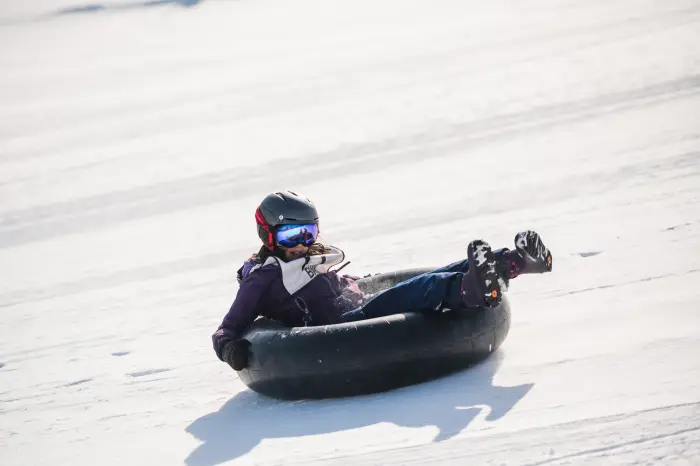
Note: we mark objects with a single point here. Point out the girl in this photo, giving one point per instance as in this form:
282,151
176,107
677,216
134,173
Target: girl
291,279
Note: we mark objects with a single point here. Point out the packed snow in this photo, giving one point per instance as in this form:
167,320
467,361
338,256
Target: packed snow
138,137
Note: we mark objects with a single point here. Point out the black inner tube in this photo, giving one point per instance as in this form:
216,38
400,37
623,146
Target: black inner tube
372,355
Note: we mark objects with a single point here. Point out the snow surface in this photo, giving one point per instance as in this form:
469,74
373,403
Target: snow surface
136,139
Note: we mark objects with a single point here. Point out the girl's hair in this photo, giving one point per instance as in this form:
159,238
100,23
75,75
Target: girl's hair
315,249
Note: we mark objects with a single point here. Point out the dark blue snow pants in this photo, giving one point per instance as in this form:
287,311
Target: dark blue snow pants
429,291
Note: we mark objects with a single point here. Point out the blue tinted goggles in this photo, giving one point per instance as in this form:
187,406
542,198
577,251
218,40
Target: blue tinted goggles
291,235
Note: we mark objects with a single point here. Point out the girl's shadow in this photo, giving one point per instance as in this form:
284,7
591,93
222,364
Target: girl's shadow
449,404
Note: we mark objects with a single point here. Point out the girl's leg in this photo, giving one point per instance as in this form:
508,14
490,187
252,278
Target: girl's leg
429,291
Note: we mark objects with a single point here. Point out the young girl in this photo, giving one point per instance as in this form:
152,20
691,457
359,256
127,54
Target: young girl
291,278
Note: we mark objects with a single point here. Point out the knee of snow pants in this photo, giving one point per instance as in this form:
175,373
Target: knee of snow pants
427,292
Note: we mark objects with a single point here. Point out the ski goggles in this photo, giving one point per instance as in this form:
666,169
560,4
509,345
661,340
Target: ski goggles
291,235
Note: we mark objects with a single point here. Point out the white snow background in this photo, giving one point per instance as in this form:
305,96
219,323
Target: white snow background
136,139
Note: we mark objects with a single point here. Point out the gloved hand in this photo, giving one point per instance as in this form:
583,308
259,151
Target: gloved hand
236,353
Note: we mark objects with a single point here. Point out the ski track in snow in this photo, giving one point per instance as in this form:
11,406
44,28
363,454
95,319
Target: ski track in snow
136,139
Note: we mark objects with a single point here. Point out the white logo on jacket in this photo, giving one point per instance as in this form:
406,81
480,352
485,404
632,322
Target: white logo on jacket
298,273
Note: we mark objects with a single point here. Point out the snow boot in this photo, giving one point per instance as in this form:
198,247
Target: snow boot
536,256
480,286
530,256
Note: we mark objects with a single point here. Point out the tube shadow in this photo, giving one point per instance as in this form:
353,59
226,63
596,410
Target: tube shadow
450,404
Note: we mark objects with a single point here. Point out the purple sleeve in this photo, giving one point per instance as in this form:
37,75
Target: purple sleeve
245,308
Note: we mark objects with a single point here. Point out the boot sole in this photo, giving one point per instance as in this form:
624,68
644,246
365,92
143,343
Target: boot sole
485,262
532,247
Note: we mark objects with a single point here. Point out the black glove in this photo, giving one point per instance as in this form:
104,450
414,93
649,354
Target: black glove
236,353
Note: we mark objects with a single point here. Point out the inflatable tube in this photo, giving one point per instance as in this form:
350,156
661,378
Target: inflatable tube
371,355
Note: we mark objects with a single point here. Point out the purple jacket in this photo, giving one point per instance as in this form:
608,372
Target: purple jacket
297,293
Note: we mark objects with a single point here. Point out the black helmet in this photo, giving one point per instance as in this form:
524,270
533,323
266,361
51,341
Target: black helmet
283,208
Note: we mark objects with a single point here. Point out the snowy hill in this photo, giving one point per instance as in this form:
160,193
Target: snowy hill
137,137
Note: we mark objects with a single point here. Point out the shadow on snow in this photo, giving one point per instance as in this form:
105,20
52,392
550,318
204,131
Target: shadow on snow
94,8
450,404
99,7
